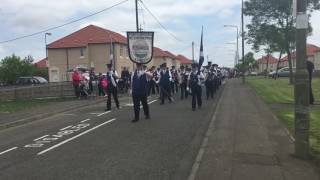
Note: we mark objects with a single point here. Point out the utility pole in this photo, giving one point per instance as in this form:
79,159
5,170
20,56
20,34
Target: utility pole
242,35
301,87
137,16
192,51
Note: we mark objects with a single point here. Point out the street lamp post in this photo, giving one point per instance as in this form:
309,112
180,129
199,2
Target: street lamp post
242,39
45,42
237,54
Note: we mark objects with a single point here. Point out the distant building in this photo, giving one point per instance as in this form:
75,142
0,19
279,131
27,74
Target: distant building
265,61
43,63
313,55
90,48
184,60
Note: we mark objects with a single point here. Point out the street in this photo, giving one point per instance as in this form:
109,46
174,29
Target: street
89,143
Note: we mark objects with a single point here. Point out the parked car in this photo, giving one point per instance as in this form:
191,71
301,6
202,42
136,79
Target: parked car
283,72
31,80
253,74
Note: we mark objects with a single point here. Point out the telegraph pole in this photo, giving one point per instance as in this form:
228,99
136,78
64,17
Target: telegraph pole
137,16
301,87
242,35
192,51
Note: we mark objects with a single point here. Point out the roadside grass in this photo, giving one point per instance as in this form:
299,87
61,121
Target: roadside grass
280,92
18,105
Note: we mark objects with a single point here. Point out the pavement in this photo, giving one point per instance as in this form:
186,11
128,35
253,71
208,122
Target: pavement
233,137
246,141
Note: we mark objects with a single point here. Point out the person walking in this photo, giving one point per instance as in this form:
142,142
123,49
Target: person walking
194,82
209,83
164,83
183,80
310,67
139,87
112,76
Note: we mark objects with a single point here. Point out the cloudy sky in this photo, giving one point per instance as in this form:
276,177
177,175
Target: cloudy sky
182,18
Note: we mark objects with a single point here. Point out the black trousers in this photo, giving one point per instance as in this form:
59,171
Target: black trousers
183,91
196,96
152,88
76,90
210,89
114,93
165,92
136,105
311,93
172,87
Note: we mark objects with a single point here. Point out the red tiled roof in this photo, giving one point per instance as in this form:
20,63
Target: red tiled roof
42,63
170,54
88,35
157,52
183,59
267,58
311,51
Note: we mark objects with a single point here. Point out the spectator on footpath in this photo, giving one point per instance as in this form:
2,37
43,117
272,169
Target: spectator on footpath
310,68
92,78
101,89
76,82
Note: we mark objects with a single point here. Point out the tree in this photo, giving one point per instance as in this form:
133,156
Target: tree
272,25
248,64
12,67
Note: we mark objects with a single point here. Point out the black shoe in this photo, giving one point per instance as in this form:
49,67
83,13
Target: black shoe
107,109
148,117
193,109
161,103
135,120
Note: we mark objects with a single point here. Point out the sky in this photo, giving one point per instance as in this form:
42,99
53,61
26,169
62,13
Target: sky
182,18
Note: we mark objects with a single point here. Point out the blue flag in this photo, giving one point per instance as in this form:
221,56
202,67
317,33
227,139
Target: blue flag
201,59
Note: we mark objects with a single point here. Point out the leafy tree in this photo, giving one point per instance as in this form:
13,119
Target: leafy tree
272,25
248,64
12,67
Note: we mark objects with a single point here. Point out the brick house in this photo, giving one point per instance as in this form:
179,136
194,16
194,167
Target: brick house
263,61
184,60
90,48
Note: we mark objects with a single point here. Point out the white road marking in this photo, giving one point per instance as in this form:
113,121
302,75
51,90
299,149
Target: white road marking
101,114
93,113
85,120
152,101
41,137
8,150
74,137
65,128
69,114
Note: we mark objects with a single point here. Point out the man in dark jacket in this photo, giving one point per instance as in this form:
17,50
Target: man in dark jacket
139,86
112,76
164,83
310,67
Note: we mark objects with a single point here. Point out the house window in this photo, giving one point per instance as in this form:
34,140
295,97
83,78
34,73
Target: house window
81,52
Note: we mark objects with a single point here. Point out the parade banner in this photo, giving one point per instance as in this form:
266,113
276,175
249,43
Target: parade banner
140,46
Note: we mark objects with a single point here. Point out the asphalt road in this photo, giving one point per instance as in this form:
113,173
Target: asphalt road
89,143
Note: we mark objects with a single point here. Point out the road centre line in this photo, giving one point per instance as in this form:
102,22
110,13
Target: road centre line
41,137
8,150
101,114
74,137
65,128
85,120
